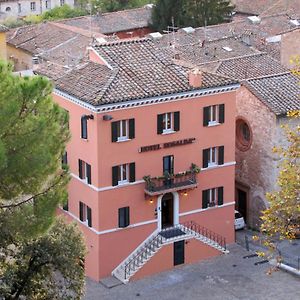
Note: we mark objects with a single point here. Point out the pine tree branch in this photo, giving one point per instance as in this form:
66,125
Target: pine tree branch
34,196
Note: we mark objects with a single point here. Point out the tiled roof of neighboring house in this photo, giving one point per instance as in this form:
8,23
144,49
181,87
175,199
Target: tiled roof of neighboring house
267,7
3,28
281,93
108,23
210,51
250,66
137,70
51,70
50,42
269,26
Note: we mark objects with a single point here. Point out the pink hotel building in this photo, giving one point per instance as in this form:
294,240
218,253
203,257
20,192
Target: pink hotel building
152,159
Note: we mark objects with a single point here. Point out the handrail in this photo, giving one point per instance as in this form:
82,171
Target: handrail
153,244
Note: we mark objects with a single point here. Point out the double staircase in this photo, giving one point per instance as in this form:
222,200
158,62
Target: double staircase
158,239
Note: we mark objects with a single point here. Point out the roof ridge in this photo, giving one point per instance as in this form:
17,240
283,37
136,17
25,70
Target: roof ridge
122,42
268,76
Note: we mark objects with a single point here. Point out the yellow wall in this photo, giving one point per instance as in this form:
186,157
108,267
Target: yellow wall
22,60
2,45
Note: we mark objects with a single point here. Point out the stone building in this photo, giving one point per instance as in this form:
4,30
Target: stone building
23,8
267,93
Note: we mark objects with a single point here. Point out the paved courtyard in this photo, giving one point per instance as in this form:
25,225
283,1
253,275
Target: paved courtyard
228,277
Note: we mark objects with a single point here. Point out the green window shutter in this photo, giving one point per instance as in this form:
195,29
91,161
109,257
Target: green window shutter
220,195
115,175
88,174
114,131
80,211
89,216
221,155
206,112
132,172
205,157
131,129
159,124
221,113
176,121
80,168
205,201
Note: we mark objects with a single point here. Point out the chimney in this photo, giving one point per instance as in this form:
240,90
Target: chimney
195,78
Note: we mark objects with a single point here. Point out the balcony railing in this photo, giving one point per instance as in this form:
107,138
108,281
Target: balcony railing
171,183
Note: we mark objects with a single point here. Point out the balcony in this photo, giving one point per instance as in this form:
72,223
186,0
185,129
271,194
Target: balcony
171,183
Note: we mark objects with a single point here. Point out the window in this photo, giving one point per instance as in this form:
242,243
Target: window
8,9
123,174
66,206
243,135
213,156
64,159
124,217
85,171
122,130
32,6
85,214
19,7
168,122
84,129
214,114
212,197
62,2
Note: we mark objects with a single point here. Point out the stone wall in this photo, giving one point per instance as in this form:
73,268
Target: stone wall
256,167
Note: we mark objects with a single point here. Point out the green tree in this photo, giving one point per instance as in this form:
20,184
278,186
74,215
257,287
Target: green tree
166,10
282,219
63,12
33,135
47,267
190,13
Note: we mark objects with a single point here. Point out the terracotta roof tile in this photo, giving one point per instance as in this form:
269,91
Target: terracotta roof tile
281,93
50,42
137,70
108,23
250,66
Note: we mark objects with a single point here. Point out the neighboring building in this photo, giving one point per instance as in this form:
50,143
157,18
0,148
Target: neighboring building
3,53
138,123
268,92
262,33
266,7
46,42
23,8
124,24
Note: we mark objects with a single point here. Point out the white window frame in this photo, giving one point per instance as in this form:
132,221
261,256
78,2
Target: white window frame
166,117
121,172
48,4
213,157
213,120
33,6
122,137
213,193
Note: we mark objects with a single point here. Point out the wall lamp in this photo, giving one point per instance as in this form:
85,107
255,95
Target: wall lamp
107,117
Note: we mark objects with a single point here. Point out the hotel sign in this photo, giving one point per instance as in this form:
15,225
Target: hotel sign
167,145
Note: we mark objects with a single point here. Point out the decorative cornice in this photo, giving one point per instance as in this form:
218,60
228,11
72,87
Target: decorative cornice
148,101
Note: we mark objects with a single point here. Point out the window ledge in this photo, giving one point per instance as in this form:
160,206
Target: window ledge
212,124
120,183
123,140
168,131
85,140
